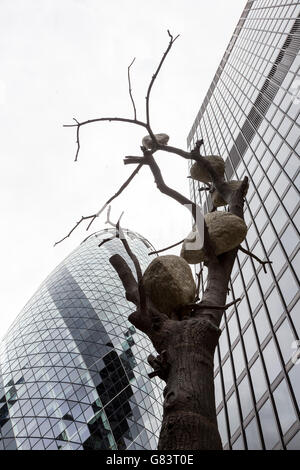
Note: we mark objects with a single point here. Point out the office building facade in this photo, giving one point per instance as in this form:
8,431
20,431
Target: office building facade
250,116
73,369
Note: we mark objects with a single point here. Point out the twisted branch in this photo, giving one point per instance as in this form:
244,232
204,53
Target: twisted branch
130,91
172,40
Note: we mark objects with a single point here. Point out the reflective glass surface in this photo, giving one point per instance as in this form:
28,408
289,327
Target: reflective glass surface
73,369
251,117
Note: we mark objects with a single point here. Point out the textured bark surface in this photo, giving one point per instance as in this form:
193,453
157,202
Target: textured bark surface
217,199
189,416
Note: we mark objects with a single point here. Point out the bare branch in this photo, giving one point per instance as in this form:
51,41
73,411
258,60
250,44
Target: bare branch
130,91
176,151
199,276
165,249
120,234
105,240
160,364
109,119
172,40
129,160
94,216
78,223
127,278
201,306
108,221
124,185
263,263
190,205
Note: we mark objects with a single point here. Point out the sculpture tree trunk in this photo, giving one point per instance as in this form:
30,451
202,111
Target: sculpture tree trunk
189,415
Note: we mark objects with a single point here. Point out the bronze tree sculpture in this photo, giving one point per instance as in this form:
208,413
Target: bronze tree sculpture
185,338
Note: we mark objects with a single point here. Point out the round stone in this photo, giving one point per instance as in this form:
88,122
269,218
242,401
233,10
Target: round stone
226,232
161,139
169,283
200,174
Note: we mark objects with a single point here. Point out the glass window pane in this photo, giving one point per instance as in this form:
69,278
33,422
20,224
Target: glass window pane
294,443
262,324
281,184
296,264
223,344
222,426
268,237
243,311
233,414
271,202
288,286
278,259
291,199
227,375
233,328
245,397
258,379
284,406
247,271
238,444
250,342
272,360
274,305
285,339
265,279
295,314
294,375
238,359
252,436
268,424
289,239
254,295
218,390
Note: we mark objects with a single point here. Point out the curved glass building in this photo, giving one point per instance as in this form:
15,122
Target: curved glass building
251,116
73,369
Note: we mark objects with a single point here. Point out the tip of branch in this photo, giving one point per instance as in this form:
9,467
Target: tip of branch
172,37
131,63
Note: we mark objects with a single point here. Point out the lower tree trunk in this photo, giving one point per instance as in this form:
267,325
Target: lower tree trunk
189,417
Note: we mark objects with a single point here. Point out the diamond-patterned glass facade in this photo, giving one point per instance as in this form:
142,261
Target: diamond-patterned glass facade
73,369
250,116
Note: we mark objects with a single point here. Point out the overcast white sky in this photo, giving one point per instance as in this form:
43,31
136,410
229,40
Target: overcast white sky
68,58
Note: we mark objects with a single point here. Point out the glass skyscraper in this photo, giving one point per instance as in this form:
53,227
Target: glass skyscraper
250,116
73,369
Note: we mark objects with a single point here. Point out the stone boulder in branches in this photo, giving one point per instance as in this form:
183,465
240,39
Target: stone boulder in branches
161,139
226,231
199,173
217,199
169,283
